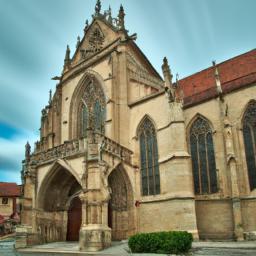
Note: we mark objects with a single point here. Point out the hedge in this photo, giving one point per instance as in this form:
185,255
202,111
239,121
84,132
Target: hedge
172,242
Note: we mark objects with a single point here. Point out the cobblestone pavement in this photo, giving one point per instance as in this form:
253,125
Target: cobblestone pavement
200,249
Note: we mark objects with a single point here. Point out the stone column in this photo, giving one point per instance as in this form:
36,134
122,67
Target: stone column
94,234
181,161
232,166
26,233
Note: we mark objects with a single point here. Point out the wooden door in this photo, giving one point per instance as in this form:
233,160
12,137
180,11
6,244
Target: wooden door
74,219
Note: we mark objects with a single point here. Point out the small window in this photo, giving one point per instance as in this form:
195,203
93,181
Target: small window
4,200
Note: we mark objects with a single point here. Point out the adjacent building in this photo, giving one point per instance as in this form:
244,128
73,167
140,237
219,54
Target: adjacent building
10,197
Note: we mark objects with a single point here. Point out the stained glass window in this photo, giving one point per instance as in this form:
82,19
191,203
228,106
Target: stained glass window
93,111
99,116
150,179
249,133
203,157
84,121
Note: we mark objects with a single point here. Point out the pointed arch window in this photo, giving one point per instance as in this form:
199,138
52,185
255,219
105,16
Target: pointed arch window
84,121
249,133
89,108
203,157
150,180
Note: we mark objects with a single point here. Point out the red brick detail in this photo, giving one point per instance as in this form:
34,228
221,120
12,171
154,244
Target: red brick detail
9,189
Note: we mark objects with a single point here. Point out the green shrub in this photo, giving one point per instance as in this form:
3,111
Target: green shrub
172,242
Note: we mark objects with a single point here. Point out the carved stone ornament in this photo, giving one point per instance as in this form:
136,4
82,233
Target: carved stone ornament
96,40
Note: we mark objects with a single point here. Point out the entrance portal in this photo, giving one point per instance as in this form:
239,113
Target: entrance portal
54,199
74,219
120,212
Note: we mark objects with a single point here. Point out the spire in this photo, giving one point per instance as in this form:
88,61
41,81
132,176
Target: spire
167,73
177,80
217,79
78,41
110,20
86,26
50,97
67,56
97,8
121,15
27,151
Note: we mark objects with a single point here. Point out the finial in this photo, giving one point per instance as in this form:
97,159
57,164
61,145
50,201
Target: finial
217,79
67,56
97,7
86,25
27,151
121,15
177,80
50,97
110,20
78,41
167,73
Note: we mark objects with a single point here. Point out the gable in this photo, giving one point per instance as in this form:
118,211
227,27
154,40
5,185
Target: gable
98,36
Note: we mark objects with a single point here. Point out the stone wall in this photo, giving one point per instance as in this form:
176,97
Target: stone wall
166,215
52,226
249,212
215,219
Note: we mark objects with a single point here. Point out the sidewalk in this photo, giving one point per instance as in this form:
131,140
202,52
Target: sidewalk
121,248
226,245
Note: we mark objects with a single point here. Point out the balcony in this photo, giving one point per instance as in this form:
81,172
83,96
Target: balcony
76,147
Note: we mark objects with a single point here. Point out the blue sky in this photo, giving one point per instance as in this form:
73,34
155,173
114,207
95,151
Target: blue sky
34,35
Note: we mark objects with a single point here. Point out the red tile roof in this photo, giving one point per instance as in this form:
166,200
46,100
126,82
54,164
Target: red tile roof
234,73
9,189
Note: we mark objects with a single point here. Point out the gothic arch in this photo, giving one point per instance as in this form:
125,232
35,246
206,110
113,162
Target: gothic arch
243,112
249,139
201,145
90,87
198,115
121,206
60,183
120,166
146,116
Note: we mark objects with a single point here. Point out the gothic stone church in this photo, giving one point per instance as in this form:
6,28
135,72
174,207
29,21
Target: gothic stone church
123,150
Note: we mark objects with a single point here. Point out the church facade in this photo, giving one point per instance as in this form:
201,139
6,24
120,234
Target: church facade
123,150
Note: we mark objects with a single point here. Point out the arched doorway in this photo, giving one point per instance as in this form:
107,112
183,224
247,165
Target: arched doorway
74,219
57,210
120,207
